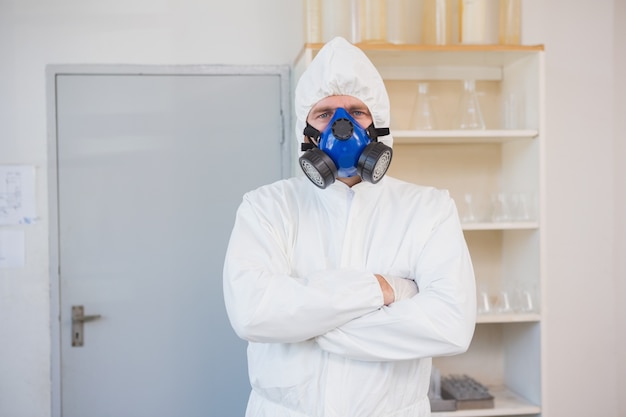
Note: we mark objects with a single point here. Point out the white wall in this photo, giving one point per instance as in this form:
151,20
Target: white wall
34,33
585,163
581,324
619,159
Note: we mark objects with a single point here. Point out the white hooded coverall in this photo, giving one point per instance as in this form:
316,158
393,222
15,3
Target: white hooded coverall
299,280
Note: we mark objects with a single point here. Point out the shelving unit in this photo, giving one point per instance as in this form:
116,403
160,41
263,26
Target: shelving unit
507,403
505,354
501,226
508,318
461,136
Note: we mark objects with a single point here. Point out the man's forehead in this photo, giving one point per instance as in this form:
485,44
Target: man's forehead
332,102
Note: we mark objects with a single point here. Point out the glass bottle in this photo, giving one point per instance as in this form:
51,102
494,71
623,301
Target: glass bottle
313,21
437,24
404,21
479,21
396,24
373,21
469,114
510,16
422,117
338,19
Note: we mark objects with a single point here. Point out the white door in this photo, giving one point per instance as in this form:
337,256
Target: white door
150,169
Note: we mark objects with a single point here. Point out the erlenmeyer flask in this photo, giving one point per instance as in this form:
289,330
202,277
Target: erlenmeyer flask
422,117
469,114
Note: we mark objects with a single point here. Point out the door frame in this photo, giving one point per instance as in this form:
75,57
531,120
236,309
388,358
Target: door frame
55,70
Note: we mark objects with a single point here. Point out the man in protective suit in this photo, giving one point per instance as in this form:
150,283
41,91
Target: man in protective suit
346,289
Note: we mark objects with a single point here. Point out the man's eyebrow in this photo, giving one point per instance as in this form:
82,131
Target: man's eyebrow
360,107
323,109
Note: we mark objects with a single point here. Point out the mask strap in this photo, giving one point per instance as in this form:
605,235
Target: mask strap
375,132
382,131
313,134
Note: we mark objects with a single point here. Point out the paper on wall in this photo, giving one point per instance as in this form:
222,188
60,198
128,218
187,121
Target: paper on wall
17,194
12,250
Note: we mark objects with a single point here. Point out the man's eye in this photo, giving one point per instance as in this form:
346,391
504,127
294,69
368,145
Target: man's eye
324,115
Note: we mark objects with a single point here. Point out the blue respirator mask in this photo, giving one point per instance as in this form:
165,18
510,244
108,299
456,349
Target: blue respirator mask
344,149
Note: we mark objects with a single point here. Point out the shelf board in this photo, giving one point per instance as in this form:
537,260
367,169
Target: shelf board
501,226
507,403
385,46
386,55
462,136
508,318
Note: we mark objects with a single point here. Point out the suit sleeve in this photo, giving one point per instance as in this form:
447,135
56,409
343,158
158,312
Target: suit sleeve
266,304
437,321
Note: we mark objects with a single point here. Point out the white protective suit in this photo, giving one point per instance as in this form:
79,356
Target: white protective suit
299,280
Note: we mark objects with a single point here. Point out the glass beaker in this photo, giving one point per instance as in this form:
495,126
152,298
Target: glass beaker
422,117
512,110
484,303
500,208
469,115
469,209
504,303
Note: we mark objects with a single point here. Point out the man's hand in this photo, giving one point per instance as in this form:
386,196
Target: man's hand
400,288
388,295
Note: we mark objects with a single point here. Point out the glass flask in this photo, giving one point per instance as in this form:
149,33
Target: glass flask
469,114
422,117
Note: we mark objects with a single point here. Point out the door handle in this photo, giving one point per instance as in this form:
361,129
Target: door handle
85,319
78,319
